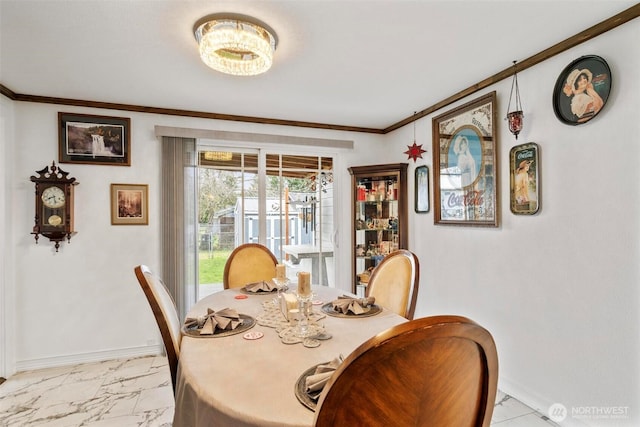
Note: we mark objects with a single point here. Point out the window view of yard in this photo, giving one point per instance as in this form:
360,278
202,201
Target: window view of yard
232,210
211,266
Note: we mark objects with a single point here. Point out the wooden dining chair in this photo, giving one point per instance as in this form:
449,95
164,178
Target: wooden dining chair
435,371
394,282
166,314
248,263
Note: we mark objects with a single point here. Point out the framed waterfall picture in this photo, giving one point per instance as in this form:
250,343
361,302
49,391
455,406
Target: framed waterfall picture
465,179
95,140
524,168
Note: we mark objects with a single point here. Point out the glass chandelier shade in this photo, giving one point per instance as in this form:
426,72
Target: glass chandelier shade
515,118
234,46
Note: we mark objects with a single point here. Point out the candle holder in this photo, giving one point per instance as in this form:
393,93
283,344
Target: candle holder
515,118
282,285
305,327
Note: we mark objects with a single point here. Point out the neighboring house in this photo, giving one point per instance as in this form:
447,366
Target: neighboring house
225,232
298,232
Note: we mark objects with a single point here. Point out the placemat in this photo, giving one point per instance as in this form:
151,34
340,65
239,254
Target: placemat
245,291
300,388
373,310
248,322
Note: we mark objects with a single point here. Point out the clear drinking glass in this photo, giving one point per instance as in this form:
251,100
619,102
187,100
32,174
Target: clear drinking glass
304,326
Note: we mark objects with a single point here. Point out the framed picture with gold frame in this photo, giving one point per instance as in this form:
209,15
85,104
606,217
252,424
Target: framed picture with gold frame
524,167
465,170
129,204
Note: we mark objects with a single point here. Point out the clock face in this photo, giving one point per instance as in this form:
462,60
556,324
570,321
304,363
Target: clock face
53,197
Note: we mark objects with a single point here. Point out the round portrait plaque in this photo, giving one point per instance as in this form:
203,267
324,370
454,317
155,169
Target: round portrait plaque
582,90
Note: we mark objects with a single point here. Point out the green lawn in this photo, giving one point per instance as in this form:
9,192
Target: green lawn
212,269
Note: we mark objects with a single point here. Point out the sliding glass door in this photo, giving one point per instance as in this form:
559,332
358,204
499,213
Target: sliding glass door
280,200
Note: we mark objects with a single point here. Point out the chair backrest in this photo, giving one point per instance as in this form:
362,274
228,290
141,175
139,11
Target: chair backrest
394,282
166,314
248,263
435,371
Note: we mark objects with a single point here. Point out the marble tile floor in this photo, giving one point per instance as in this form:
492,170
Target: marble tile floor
117,393
136,393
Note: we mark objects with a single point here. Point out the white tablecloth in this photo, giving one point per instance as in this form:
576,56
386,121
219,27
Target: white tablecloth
234,382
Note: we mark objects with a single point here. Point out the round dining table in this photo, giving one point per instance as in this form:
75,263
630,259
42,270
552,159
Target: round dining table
234,381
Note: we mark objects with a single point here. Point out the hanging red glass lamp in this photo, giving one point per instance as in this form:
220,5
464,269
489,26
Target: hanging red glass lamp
515,117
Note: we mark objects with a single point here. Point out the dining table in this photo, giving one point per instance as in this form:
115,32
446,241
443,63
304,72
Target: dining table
250,378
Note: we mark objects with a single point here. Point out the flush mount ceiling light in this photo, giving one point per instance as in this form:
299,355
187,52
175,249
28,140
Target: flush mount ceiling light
235,44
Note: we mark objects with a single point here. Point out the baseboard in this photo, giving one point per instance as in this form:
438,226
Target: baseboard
535,401
99,356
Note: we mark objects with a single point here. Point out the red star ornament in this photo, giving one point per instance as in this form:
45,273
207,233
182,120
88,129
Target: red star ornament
414,151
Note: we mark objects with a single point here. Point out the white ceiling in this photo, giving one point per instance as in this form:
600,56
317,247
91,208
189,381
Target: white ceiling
363,63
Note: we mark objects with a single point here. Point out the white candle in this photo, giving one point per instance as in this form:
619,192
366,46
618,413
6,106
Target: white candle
280,271
304,283
287,303
293,314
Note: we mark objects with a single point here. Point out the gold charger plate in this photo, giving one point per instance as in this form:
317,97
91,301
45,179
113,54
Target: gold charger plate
248,322
301,388
373,310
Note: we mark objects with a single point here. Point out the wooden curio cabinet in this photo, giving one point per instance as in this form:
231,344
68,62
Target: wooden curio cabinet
379,213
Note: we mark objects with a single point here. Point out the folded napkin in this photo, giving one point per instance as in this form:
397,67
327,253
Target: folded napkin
261,286
315,383
225,319
346,304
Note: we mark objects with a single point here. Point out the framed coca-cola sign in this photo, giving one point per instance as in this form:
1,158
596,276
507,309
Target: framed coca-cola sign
465,179
524,168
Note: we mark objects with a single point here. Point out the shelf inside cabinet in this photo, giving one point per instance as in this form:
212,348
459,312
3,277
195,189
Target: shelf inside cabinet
374,202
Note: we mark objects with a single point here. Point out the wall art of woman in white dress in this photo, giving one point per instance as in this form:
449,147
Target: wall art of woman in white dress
467,150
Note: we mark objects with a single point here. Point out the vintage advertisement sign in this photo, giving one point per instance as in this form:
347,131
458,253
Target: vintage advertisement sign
465,166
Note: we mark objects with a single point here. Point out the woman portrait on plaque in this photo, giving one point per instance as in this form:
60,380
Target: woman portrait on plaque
521,184
585,101
466,164
524,171
581,90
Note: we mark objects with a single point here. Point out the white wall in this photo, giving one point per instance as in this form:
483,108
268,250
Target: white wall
7,310
83,302
559,290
